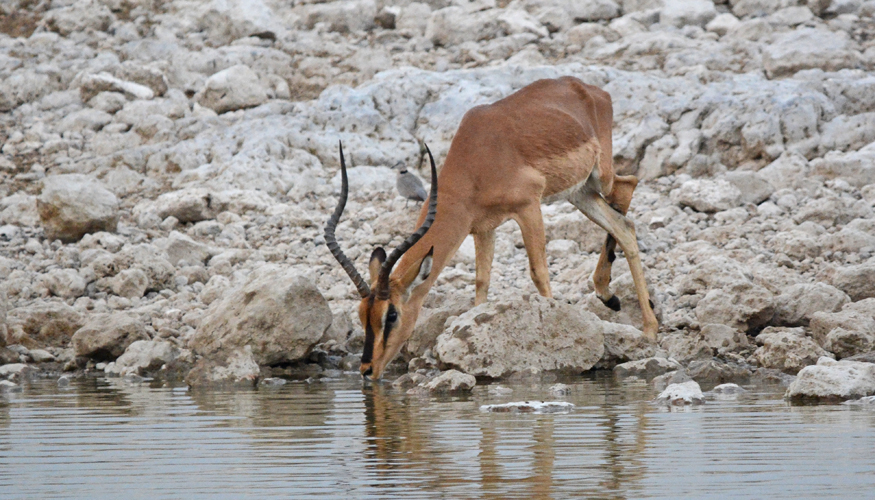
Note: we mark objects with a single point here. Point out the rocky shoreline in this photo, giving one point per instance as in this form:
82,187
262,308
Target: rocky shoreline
167,166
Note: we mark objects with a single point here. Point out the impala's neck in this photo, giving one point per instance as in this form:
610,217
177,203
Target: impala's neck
449,229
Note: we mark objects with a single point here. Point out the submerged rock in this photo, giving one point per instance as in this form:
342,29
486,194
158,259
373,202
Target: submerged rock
685,393
449,381
530,407
646,368
239,369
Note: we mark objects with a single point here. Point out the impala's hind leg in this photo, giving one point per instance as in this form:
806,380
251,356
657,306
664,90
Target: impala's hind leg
531,224
623,231
619,200
484,249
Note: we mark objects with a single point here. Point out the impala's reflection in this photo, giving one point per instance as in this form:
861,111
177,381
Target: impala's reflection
438,443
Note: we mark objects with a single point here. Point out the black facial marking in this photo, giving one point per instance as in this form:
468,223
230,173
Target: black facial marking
368,351
613,303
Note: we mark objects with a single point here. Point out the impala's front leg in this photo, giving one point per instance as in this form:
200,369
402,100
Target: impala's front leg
484,249
531,224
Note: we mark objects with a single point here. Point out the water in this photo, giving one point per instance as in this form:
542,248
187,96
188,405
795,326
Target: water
105,438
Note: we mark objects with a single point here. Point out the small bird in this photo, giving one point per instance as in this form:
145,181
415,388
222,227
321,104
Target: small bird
410,186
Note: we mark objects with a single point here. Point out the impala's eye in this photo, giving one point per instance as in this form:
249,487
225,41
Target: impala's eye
391,316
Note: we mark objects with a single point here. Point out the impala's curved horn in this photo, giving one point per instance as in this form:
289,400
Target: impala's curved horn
386,269
347,265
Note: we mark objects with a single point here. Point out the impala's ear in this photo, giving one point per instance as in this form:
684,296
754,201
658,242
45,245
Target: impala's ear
378,256
424,271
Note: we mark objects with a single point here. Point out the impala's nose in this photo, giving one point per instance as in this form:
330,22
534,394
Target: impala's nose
367,373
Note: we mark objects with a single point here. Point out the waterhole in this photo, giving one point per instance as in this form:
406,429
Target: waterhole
107,438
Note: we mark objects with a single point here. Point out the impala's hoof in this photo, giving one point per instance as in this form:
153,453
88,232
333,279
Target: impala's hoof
613,303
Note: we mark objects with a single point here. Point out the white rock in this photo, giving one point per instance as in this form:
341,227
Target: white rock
72,205
144,357
786,349
79,16
722,23
806,48
450,381
496,339
91,85
278,313
833,380
449,26
682,13
706,195
530,407
237,87
686,393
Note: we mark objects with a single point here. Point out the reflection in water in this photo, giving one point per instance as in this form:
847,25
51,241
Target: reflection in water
339,438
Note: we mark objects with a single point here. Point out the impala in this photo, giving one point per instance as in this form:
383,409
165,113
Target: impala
549,141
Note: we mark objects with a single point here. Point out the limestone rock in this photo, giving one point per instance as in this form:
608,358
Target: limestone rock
152,261
846,343
47,323
682,13
530,407
497,339
64,283
686,393
745,306
79,16
105,338
753,187
187,205
857,281
430,324
72,205
91,85
686,346
854,316
279,314
856,167
130,283
722,339
450,381
706,195
449,26
624,343
646,368
832,380
712,372
180,247
798,303
342,17
805,48
786,349
239,369
144,357
237,87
